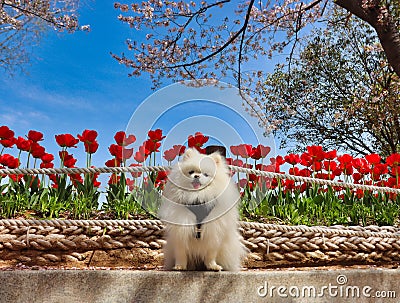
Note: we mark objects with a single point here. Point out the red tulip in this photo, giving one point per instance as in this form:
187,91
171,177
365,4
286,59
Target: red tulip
197,141
8,142
263,150
289,184
142,154
113,163
256,153
67,159
268,168
127,153
316,152
6,133
247,165
305,172
331,155
294,171
306,159
9,161
278,162
76,178
361,165
46,165
88,136
35,136
47,158
152,146
379,170
229,161
24,144
337,172
345,159
346,163
237,162
155,135
180,148
37,151
139,157
170,155
329,165
16,178
94,177
96,183
395,171
116,151
392,182
253,178
316,166
130,183
176,150
373,159
393,160
245,150
234,150
122,140
243,183
161,179
359,193
293,159
66,140
357,177
91,147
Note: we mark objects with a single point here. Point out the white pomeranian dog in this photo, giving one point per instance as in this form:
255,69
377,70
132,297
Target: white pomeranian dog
199,209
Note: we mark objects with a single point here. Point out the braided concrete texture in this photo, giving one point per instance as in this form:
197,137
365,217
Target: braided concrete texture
350,285
52,242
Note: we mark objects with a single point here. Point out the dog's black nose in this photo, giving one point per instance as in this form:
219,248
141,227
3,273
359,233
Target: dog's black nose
196,176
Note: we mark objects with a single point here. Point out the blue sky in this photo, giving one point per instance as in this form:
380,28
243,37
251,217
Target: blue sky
73,83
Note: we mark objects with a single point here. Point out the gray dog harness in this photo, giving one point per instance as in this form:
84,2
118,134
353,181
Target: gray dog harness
201,211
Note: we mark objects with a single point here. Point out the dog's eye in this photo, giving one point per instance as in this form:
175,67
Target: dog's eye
191,172
205,175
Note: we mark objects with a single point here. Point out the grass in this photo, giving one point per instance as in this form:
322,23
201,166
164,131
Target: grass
315,206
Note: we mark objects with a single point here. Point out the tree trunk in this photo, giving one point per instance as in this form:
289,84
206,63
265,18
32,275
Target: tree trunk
383,23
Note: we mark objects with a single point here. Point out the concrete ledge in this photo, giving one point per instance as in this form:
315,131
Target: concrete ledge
342,285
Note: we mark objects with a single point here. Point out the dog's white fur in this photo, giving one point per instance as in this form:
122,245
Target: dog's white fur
202,178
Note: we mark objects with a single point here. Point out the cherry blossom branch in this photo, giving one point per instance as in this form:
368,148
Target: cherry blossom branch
246,22
190,18
296,39
57,23
220,49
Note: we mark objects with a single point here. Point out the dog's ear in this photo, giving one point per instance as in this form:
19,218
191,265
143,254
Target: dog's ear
190,152
217,158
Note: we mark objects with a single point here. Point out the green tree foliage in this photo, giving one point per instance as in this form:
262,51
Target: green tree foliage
340,92
233,40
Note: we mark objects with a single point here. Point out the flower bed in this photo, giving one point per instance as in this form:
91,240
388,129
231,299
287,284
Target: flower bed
137,243
136,195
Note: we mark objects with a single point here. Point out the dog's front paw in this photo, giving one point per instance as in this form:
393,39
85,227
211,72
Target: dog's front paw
214,267
179,267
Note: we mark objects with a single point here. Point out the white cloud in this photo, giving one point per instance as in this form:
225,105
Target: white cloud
18,119
40,96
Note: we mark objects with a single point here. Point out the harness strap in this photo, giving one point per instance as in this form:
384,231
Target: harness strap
201,211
